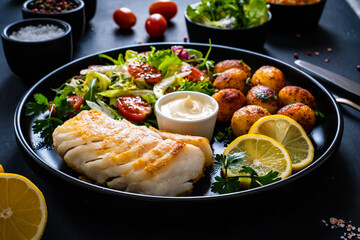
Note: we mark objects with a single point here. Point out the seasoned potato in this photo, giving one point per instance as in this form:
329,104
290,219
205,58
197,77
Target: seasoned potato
269,76
232,63
263,96
229,101
232,78
290,94
245,117
301,113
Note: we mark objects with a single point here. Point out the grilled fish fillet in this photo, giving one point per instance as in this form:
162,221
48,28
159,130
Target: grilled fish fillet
121,155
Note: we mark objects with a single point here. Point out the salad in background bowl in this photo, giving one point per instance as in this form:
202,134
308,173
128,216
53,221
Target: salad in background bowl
242,24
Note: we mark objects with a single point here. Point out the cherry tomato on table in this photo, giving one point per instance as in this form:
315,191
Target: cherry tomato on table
150,73
124,18
166,8
196,75
155,25
133,108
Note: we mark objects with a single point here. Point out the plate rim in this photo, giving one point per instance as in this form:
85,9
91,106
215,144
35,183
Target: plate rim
118,193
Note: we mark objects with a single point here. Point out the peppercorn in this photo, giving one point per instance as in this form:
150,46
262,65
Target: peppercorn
52,6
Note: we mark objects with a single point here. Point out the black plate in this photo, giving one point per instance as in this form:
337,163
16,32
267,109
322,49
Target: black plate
326,136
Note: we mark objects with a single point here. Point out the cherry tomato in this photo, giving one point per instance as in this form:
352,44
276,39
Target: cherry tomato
150,73
156,25
76,101
196,75
167,8
133,108
124,17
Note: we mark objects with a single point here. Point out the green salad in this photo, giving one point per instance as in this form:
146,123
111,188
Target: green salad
234,14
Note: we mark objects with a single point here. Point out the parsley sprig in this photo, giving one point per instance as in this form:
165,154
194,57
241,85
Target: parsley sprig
59,109
228,184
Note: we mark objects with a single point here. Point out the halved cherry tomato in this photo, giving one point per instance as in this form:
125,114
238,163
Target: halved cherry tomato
75,100
167,8
133,108
150,73
124,18
196,75
155,25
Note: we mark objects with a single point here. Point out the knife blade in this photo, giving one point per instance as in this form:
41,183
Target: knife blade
336,79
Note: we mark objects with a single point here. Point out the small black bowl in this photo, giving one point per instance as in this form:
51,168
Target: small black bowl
75,17
90,9
32,60
250,38
295,18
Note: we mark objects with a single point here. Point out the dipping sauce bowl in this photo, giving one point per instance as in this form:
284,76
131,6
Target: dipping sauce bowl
189,113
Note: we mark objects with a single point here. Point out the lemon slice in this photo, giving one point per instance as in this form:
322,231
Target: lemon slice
1,169
290,134
23,211
263,154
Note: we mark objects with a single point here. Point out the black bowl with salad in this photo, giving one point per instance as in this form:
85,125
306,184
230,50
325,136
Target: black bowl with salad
242,24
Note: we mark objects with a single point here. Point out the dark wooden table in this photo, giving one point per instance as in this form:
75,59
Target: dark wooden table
300,210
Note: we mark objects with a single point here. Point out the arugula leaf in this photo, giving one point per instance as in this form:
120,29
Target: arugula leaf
90,95
46,127
40,105
201,86
118,61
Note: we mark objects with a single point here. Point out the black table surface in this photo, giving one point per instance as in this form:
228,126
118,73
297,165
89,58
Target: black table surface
300,210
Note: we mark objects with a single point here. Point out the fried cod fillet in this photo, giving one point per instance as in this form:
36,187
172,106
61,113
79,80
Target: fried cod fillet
123,156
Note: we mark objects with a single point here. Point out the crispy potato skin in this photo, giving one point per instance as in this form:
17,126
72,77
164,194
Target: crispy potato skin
269,76
291,94
229,101
232,78
265,97
245,117
232,63
301,113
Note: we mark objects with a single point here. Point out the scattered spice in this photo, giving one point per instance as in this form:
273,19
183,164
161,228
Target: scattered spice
329,49
52,6
326,60
317,53
350,231
358,67
309,53
185,39
296,55
298,35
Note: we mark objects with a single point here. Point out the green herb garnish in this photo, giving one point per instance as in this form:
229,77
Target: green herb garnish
227,184
265,98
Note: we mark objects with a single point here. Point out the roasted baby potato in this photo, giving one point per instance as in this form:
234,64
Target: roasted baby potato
269,76
232,63
245,117
229,101
263,96
232,78
301,113
292,94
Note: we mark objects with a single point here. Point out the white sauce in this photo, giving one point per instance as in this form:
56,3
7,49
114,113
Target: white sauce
187,108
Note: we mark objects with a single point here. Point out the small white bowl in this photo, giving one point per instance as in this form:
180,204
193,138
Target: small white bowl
203,127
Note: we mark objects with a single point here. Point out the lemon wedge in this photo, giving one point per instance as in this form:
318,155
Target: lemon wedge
263,154
1,169
290,134
23,211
